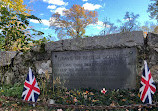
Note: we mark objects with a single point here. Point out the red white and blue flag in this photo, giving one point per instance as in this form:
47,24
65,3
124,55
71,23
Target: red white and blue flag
31,90
148,87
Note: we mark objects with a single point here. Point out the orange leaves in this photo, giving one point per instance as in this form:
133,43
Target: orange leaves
145,34
74,21
78,10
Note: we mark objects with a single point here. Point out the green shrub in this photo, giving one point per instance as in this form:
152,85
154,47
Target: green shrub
12,90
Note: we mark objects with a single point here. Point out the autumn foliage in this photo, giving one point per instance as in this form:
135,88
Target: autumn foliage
17,6
14,25
73,21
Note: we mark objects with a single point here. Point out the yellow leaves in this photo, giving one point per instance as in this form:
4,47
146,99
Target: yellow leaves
17,46
16,22
74,22
17,6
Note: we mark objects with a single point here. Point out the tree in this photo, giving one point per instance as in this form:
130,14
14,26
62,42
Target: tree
10,14
129,22
73,21
14,28
153,9
109,27
149,27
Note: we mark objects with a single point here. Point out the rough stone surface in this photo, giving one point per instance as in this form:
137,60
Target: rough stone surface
6,57
154,72
54,46
43,66
36,48
8,78
153,57
66,44
153,48
42,56
20,66
128,39
152,40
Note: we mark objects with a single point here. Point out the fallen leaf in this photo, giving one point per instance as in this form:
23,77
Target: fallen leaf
112,104
91,93
94,100
15,105
123,99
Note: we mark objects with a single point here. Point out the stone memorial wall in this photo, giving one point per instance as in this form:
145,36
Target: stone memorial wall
110,61
97,62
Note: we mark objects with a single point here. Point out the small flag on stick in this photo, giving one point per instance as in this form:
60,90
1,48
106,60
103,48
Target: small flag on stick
31,90
148,87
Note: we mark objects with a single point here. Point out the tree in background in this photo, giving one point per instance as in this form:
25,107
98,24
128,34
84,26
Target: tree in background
129,22
153,9
156,30
149,27
109,27
73,22
14,25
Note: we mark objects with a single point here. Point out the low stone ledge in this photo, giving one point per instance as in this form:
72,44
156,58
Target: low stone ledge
128,39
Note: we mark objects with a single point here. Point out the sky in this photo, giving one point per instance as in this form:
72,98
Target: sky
111,9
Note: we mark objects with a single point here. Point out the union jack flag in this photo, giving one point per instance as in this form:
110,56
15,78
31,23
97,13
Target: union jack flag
31,90
148,87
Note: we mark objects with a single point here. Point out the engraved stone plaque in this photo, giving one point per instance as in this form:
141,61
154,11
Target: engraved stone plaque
97,69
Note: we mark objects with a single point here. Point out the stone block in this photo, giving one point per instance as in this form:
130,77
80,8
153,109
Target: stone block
76,44
43,66
128,39
66,44
6,57
54,46
152,40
